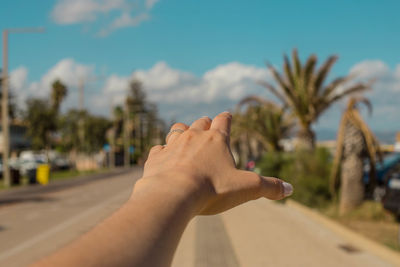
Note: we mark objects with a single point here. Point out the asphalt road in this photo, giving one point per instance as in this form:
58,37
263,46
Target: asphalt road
260,233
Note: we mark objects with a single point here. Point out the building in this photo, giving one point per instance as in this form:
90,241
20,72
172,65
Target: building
397,144
18,138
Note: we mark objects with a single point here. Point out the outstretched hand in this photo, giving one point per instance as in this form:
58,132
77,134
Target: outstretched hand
194,173
198,158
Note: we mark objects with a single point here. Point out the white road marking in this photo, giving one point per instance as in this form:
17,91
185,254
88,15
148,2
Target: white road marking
60,227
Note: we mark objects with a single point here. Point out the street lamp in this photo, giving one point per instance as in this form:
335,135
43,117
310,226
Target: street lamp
4,102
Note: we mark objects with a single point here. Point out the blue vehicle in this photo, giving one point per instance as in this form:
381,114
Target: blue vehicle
384,172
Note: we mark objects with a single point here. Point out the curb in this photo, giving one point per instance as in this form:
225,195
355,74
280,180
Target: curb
362,242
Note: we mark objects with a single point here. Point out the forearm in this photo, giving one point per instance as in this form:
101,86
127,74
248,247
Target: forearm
144,232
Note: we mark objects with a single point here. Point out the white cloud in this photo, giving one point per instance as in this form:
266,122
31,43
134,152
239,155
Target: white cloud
384,96
125,20
18,78
150,3
18,81
67,71
122,13
184,95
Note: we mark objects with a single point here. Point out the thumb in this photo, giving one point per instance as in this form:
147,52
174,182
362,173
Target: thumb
268,187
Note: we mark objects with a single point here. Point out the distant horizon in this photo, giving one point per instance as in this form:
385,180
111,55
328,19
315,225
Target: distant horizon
385,137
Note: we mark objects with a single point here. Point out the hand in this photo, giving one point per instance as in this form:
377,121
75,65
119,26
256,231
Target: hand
198,159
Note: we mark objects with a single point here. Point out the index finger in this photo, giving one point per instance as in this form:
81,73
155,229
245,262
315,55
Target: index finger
222,123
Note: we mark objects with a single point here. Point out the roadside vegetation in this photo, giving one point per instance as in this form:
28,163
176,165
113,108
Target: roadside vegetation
331,182
79,141
73,173
371,220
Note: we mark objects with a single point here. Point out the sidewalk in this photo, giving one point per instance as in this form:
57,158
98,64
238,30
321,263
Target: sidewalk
264,233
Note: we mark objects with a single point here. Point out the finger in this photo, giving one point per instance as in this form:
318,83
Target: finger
201,124
222,123
275,189
155,149
245,186
261,186
173,134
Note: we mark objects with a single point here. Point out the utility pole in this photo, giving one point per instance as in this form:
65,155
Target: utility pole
4,101
126,135
4,114
81,130
81,88
81,93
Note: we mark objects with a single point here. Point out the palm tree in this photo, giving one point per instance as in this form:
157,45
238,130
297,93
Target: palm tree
136,103
304,91
58,93
265,121
355,142
114,133
258,128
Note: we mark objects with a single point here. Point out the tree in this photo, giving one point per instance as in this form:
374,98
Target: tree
41,122
114,133
263,120
94,126
304,91
142,126
58,93
136,104
355,142
42,116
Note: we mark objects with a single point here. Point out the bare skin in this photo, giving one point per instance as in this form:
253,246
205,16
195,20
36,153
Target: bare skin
194,174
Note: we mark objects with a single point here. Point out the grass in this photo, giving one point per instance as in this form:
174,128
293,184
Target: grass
370,220
68,174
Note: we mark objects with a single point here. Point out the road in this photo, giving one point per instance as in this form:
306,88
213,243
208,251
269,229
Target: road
259,233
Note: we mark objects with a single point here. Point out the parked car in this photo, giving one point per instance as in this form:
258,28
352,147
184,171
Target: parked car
384,172
391,200
29,160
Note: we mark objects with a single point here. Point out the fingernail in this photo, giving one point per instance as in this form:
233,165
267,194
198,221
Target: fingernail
287,189
227,112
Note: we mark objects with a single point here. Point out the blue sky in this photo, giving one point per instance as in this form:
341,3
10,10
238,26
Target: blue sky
193,44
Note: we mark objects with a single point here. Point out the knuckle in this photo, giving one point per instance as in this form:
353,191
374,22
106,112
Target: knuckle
206,119
188,135
178,125
155,149
217,136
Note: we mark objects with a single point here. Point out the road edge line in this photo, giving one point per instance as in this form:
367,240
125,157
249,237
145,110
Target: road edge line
361,241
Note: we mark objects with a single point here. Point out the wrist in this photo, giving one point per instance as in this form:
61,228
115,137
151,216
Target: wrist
184,192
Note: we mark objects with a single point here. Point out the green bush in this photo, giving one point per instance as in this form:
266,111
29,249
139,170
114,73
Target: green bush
308,172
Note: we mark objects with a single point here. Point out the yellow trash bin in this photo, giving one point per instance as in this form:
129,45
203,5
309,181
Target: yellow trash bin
43,174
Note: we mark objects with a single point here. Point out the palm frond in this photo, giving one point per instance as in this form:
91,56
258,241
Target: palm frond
289,93
359,87
288,71
296,63
309,71
254,99
322,73
354,101
274,91
352,115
